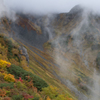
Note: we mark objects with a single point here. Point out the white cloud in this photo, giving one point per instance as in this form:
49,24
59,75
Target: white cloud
6,11
50,6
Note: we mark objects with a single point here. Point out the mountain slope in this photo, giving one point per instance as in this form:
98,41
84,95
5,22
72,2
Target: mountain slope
64,46
18,79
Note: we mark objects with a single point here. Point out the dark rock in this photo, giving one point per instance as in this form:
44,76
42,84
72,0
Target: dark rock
24,53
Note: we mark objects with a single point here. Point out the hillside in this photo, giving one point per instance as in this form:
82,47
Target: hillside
63,49
18,80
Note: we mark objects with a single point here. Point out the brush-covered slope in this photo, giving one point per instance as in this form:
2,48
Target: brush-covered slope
18,80
64,49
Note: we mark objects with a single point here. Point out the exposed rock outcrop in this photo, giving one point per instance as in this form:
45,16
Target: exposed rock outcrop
24,53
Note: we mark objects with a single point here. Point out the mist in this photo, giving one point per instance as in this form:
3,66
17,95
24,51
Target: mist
6,11
50,6
67,62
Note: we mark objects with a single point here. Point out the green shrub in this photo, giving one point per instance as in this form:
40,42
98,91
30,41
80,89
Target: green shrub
16,71
8,93
51,91
17,97
39,83
10,46
21,86
11,85
20,72
36,98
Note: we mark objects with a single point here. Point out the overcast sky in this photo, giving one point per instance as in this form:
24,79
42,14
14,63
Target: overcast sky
50,6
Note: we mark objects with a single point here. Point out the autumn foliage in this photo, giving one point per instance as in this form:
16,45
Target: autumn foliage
4,64
9,78
2,93
27,96
16,80
54,93
48,93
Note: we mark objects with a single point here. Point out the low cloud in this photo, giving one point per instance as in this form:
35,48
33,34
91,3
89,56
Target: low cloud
6,11
50,6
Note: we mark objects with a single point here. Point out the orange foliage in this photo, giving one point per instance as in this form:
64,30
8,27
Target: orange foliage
2,93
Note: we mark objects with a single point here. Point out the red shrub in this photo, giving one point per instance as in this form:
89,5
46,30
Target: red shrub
27,96
20,79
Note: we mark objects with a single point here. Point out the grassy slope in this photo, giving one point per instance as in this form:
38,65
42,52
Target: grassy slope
42,72
37,69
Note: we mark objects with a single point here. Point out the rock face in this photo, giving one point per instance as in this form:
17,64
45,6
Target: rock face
25,28
24,53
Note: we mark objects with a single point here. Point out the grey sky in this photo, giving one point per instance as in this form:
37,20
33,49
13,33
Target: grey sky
50,6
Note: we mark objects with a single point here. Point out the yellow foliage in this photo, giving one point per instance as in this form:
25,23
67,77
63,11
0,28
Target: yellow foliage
9,77
4,64
48,98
